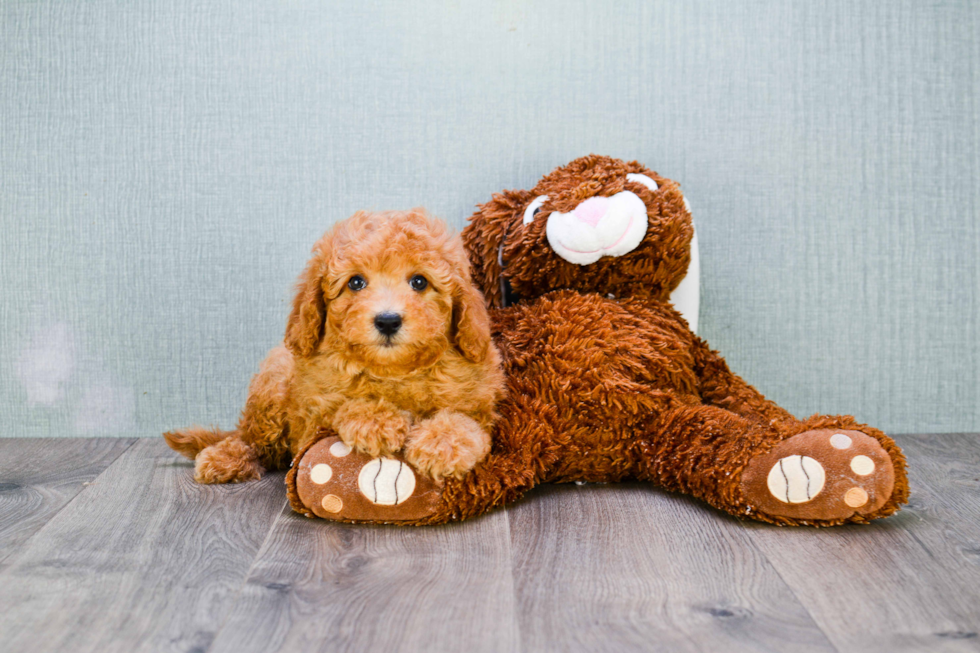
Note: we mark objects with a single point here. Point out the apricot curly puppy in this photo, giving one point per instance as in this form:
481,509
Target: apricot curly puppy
388,344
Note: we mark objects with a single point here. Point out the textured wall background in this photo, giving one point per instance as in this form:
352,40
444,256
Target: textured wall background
166,166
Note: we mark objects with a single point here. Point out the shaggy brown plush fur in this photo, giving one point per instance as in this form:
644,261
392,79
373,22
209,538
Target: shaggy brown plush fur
429,388
606,382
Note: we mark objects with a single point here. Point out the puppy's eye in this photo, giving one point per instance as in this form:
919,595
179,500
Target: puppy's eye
533,208
418,283
357,282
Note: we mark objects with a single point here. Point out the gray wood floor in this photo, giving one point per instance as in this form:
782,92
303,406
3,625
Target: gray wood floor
108,545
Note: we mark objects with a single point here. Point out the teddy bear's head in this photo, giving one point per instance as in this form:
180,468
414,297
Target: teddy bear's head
597,224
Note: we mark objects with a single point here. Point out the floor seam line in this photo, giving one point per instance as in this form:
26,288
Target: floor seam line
513,583
751,540
248,574
24,545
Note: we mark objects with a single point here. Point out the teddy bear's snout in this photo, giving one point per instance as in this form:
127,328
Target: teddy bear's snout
592,210
597,227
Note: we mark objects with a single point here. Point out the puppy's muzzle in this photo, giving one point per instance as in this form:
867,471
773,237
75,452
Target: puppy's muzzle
388,324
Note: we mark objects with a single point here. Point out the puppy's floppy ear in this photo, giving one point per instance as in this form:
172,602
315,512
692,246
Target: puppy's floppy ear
304,329
471,322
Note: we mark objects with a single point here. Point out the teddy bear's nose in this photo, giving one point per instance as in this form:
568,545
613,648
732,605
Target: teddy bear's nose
591,210
388,323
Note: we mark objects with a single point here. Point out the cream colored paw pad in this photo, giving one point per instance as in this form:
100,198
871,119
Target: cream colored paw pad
862,465
855,497
332,503
796,479
386,481
339,449
321,473
840,441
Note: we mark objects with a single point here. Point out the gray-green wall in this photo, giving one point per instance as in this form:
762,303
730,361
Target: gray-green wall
166,166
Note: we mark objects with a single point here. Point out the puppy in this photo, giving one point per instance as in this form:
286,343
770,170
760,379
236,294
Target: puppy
388,343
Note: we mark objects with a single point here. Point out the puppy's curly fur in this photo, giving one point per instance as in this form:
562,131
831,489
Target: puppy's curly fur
429,389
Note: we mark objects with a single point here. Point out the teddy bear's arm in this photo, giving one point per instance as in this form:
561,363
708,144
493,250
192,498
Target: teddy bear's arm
326,478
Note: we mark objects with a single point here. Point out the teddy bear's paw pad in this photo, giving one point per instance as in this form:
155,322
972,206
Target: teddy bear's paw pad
823,474
336,482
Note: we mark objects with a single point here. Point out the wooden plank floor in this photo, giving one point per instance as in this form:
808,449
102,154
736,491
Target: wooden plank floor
108,545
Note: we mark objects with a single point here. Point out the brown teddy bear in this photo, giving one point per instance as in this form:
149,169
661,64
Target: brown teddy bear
606,382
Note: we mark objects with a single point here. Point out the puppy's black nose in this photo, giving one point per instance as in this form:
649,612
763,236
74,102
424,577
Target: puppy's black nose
388,323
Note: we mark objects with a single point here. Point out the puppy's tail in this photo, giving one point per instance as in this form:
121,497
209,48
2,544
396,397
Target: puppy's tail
192,440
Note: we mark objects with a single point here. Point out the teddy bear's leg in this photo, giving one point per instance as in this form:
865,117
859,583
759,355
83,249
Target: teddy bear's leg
720,387
853,463
821,463
824,471
330,480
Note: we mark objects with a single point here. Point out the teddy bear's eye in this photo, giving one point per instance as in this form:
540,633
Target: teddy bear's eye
357,282
418,283
533,208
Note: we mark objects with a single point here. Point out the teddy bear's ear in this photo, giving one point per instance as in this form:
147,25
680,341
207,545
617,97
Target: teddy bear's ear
485,239
686,297
304,328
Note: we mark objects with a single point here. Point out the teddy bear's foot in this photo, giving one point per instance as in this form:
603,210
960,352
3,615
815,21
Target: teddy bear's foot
822,475
332,481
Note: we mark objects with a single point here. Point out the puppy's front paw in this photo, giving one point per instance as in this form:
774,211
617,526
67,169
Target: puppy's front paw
448,444
372,427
